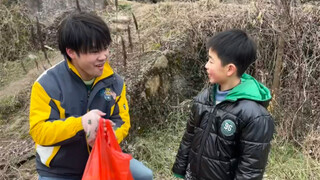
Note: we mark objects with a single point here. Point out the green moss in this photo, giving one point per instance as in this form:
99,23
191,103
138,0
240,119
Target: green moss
124,7
10,104
155,46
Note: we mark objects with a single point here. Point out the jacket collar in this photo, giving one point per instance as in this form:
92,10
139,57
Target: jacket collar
107,71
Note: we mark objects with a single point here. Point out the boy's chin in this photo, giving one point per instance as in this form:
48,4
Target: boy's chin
212,82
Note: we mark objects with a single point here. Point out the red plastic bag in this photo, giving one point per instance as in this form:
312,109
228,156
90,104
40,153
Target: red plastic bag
106,160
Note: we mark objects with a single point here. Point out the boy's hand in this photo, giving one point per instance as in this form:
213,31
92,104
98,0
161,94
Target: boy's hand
104,126
90,122
178,176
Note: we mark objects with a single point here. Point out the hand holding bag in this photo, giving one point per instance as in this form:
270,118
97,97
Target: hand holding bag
107,161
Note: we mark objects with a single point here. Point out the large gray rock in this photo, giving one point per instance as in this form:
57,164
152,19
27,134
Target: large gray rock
153,73
156,81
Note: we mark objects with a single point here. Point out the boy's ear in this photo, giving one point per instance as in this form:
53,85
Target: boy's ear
71,53
231,69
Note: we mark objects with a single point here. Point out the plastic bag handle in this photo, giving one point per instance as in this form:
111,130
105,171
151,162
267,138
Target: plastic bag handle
110,136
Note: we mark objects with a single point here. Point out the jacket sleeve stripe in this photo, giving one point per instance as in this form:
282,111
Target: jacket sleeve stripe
112,108
46,154
61,110
123,107
55,151
51,132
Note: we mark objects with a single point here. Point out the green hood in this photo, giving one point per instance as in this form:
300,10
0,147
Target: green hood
250,89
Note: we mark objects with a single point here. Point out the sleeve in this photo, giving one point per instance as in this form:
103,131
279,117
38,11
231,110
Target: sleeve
120,116
181,162
48,126
254,148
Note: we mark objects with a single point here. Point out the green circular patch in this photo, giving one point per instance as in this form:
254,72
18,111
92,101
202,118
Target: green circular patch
228,128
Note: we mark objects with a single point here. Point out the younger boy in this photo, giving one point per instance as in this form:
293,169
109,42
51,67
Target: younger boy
229,132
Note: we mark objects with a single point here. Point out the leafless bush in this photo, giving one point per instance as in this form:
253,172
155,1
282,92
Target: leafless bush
288,39
298,96
15,32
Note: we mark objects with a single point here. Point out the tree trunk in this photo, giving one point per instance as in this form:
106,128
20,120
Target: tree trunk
278,67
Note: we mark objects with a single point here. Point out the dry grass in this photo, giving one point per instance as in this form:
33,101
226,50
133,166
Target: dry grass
286,161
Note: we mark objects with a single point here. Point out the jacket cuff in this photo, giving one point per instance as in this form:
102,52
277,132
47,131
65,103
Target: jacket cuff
179,171
178,176
78,124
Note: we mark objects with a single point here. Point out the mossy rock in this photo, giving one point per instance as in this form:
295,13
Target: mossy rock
10,104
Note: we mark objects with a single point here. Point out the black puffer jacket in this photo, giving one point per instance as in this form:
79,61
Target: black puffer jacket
230,140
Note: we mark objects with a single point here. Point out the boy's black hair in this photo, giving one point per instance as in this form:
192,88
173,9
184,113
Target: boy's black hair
234,46
83,32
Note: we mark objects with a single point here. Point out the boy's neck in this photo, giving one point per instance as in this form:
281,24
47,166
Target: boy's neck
231,83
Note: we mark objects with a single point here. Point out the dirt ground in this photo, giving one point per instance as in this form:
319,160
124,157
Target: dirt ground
16,146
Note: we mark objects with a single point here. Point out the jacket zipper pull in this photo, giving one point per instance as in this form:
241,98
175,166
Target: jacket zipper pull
89,91
88,95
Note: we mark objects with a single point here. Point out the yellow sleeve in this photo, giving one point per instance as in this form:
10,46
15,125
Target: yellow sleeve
56,130
122,104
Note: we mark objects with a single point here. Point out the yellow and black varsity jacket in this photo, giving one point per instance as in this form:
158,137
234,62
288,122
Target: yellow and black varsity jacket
59,98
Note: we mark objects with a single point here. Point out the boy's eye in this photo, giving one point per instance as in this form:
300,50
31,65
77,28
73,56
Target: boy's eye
210,59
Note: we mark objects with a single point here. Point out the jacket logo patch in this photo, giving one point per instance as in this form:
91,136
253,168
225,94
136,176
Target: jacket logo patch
108,94
228,128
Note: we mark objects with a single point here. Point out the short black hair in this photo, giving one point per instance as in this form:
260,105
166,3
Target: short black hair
234,46
83,32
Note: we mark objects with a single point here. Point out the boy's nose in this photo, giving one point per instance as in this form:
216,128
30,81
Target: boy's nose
205,66
104,55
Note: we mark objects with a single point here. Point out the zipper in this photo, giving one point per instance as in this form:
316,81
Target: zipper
212,113
88,95
207,131
203,140
89,92
87,110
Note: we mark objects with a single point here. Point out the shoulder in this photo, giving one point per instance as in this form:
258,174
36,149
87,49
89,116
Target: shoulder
246,110
118,78
203,97
257,125
253,108
50,79
250,112
117,82
51,74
